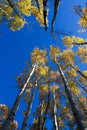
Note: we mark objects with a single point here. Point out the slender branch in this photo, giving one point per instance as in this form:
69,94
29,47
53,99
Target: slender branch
78,10
78,71
84,43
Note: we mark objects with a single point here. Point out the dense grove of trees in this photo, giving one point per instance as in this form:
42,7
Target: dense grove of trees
54,74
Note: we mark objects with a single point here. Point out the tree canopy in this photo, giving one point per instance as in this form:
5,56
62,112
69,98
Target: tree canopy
53,75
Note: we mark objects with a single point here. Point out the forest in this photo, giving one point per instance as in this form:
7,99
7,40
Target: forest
43,69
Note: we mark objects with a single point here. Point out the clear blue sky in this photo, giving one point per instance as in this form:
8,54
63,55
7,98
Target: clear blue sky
15,47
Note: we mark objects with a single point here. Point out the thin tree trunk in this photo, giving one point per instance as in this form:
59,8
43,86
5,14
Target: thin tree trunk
40,117
17,103
44,119
55,111
29,107
77,114
78,71
56,5
45,13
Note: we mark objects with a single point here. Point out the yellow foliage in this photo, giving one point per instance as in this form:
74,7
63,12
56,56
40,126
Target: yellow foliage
44,88
16,23
85,10
83,20
82,79
43,70
54,52
68,41
65,110
84,101
39,15
39,56
7,11
74,88
5,111
35,121
0,14
28,92
60,121
80,40
43,107
82,52
24,7
70,117
13,125
72,72
85,72
40,4
54,88
68,56
85,59
54,75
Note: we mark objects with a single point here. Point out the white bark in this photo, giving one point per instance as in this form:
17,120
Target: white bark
76,112
55,110
17,103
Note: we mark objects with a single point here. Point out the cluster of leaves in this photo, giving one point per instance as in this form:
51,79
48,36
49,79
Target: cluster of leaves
83,20
15,12
82,12
70,41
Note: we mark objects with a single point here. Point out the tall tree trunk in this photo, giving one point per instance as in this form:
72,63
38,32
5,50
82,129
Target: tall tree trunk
55,111
78,71
17,103
77,114
56,5
46,109
45,13
27,113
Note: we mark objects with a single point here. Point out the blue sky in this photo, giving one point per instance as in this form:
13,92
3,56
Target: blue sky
15,47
